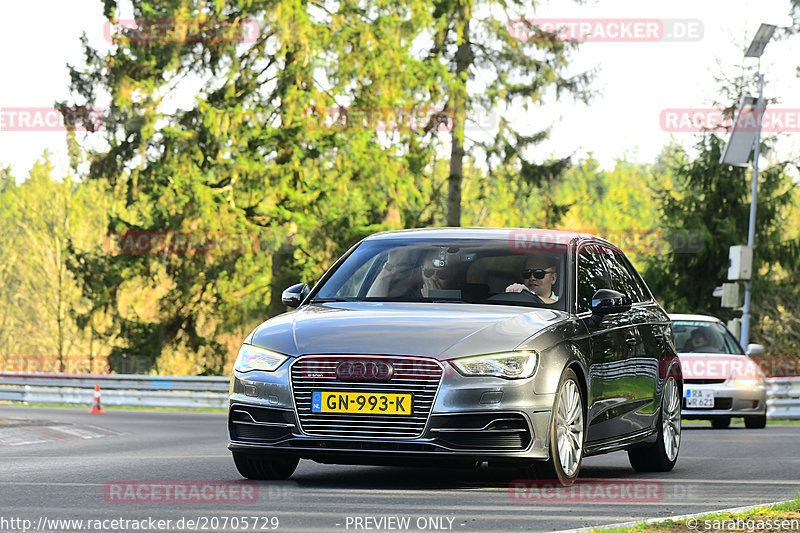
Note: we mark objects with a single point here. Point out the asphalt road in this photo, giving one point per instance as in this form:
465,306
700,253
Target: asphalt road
74,464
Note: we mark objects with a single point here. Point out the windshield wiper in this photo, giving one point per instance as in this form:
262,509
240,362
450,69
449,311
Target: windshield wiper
327,300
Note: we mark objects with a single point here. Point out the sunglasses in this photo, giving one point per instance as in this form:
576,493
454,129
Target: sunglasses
537,273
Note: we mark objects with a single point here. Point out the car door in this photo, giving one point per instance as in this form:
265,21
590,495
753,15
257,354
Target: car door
644,337
609,377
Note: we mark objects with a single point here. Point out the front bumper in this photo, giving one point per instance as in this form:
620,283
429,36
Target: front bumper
472,418
730,400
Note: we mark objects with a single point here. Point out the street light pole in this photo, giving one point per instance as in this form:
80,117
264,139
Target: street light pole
751,231
737,152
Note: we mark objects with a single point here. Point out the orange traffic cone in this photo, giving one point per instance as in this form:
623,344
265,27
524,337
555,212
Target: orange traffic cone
96,409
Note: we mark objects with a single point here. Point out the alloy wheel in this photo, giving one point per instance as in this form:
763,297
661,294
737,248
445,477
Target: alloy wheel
569,427
671,419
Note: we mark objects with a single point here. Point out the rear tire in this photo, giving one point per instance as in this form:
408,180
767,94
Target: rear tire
264,466
755,422
719,423
662,455
567,430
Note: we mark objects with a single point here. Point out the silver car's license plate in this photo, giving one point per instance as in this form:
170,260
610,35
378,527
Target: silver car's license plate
699,398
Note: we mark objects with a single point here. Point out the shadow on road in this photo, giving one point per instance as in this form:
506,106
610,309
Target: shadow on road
408,478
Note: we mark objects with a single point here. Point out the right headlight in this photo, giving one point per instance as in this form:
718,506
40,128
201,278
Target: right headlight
510,365
255,358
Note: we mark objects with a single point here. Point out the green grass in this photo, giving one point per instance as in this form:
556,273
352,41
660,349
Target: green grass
793,506
787,510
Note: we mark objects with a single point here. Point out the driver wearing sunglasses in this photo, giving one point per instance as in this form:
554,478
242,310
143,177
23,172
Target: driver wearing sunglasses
538,276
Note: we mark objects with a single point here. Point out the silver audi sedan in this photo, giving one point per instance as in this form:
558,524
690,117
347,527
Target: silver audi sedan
523,348
721,381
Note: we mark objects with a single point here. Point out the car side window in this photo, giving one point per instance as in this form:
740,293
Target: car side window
354,285
621,278
637,278
591,277
731,344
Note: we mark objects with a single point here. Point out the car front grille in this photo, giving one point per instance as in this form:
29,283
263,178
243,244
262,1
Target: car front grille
419,377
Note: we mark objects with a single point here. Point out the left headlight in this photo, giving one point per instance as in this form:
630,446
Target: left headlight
512,365
254,358
748,377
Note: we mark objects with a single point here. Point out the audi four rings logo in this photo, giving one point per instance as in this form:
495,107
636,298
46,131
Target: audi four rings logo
364,371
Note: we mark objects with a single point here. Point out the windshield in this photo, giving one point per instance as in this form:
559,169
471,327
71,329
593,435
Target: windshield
697,336
485,271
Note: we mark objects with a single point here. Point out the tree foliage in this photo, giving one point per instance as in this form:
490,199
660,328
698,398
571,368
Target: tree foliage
299,139
712,201
253,154
498,58
41,220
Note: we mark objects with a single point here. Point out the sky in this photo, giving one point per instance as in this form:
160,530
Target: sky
636,81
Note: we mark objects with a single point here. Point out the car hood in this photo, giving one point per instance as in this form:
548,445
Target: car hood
716,366
439,330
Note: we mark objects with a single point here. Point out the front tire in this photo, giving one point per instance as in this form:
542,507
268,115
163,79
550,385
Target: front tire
663,454
721,423
264,466
755,422
566,432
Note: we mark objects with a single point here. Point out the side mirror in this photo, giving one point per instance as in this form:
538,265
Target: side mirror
754,349
294,295
608,302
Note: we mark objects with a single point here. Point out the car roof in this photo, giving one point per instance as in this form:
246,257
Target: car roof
533,234
701,318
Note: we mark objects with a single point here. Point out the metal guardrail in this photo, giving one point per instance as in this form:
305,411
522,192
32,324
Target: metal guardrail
121,390
132,390
783,398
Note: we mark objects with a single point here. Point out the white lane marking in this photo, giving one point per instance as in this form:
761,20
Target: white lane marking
79,432
17,442
42,434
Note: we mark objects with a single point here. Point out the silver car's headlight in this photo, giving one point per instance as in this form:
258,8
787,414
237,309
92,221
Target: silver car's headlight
505,365
254,358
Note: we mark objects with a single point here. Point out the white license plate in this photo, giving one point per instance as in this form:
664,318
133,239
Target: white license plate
699,398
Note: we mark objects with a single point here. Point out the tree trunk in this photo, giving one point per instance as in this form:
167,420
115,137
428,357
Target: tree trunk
458,103
280,262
